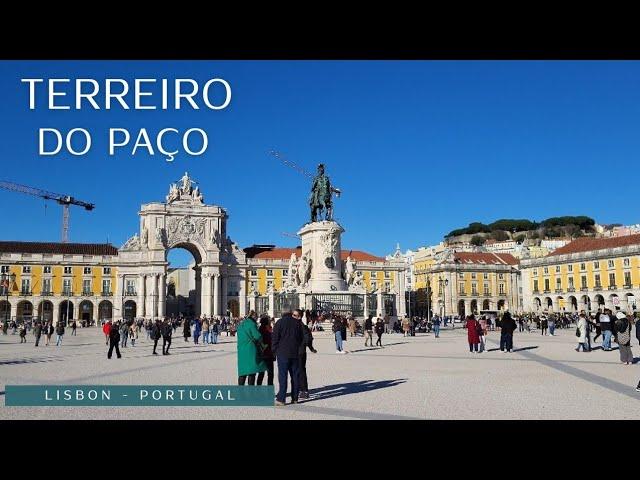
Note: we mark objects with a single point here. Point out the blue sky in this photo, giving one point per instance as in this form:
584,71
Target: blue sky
418,147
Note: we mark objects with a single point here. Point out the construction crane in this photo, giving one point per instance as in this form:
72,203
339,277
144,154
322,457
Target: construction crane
64,200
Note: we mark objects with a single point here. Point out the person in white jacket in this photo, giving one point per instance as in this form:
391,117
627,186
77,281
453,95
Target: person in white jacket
581,333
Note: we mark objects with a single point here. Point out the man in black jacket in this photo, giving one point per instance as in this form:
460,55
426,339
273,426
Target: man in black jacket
156,334
167,331
286,340
114,339
368,331
307,342
37,331
506,335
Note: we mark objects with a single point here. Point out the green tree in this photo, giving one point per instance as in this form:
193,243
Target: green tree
520,238
478,240
500,235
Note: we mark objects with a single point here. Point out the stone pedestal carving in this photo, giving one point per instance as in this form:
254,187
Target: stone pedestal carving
320,267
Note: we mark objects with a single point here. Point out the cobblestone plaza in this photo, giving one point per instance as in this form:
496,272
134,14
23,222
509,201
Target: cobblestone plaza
417,377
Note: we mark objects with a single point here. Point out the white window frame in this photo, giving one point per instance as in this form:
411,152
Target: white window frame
86,270
26,269
106,270
67,270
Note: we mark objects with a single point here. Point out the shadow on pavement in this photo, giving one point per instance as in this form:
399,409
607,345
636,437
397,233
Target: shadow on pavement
369,349
30,360
340,389
533,347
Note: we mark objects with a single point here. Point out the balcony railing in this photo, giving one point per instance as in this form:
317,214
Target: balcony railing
558,290
87,293
628,286
536,291
106,294
546,291
130,293
584,289
46,293
571,289
612,287
67,293
598,287
26,293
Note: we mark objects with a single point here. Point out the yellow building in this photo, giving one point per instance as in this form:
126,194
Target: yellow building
269,268
56,281
586,274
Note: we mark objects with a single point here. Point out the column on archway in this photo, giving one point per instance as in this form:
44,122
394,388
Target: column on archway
224,286
467,307
96,311
162,294
198,306
216,294
56,311
242,296
205,292
149,298
118,298
140,307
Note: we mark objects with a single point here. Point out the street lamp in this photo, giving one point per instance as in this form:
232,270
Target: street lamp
6,281
443,282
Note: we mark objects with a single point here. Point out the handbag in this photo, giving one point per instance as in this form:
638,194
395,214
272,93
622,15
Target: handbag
577,331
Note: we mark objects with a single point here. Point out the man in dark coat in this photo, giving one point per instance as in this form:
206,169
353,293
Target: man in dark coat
37,331
156,334
307,342
114,339
167,331
286,340
508,326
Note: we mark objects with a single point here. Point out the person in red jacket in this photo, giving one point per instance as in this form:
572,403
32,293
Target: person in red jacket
473,327
106,329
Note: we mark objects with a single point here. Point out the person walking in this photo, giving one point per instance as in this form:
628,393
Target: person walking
552,325
23,333
267,354
215,330
124,333
59,333
133,333
287,338
607,330
436,326
581,333
544,324
482,332
205,330
406,326
37,331
623,338
337,330
380,327
49,332
106,329
114,340
196,330
156,334
186,329
368,331
74,326
352,326
638,330
506,332
473,326
250,348
167,332
307,342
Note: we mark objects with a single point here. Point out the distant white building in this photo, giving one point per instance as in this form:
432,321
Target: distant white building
554,244
407,258
504,246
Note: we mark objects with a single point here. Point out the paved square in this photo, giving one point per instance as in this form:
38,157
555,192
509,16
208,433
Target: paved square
410,378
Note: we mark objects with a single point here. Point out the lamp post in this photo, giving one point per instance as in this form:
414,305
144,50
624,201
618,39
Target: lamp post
7,280
442,283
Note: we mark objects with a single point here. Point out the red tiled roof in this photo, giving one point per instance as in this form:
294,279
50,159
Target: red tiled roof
485,258
278,253
60,248
586,244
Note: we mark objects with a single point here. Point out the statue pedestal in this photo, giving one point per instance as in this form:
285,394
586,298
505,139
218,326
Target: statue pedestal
321,243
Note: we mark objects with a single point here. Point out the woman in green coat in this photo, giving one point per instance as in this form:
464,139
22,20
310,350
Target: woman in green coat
250,359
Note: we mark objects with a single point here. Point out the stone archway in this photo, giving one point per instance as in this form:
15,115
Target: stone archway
474,306
130,310
5,310
537,304
486,305
24,311
105,310
85,312
182,221
45,311
65,311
